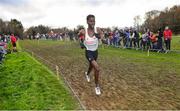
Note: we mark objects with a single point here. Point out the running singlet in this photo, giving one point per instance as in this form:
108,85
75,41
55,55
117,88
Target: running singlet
91,43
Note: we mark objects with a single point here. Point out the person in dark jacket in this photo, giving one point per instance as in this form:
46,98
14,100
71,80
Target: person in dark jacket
159,42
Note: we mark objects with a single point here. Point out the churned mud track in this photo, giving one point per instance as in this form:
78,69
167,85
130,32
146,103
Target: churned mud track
125,84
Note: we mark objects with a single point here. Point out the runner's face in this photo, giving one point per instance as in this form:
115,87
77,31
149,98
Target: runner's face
91,22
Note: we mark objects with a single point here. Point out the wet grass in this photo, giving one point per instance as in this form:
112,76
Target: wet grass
26,84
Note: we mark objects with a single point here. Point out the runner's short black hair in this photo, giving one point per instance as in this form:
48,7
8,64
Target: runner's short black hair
89,16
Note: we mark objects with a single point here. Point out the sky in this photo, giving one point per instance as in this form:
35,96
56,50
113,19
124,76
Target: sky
70,13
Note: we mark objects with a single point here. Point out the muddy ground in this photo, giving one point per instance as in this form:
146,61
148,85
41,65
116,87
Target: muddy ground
126,83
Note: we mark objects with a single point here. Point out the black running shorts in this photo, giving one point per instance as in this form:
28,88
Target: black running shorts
91,55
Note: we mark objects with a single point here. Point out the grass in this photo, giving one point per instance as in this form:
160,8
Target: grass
176,43
25,84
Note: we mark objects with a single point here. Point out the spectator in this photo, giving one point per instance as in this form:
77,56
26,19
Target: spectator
116,38
153,39
110,38
13,41
167,38
159,42
132,42
144,41
136,38
127,38
148,39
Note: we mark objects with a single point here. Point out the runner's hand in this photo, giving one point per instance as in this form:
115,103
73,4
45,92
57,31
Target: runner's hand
82,31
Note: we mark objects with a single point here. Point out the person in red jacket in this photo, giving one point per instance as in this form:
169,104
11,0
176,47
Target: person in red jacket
167,38
13,41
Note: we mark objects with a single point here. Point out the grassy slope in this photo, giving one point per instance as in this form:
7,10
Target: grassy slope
26,84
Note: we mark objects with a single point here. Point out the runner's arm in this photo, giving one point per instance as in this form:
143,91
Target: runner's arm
100,33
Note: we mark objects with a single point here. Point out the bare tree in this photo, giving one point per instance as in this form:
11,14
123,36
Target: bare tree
137,21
